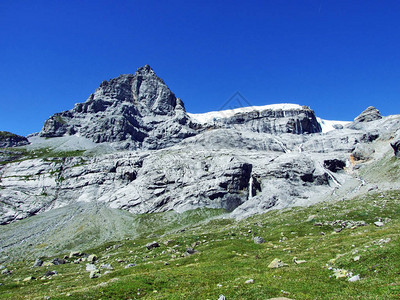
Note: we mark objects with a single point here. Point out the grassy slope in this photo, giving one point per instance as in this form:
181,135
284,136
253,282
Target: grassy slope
227,256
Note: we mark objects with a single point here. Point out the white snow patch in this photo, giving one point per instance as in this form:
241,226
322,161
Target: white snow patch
222,114
328,125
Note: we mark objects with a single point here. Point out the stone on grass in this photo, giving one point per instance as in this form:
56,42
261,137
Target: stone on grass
107,267
190,251
277,263
92,258
298,261
221,297
90,267
357,258
354,278
50,273
258,240
130,266
379,224
249,281
29,278
6,272
58,261
75,254
340,273
94,274
37,263
152,245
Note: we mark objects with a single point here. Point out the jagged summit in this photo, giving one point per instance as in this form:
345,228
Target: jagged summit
368,115
138,109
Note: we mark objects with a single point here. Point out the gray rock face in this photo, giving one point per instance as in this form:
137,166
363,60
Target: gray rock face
396,145
8,139
138,109
296,121
368,115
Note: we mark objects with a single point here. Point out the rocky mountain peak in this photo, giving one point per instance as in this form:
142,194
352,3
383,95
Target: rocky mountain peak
368,115
137,108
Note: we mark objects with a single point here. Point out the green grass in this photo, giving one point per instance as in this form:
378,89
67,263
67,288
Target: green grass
227,256
47,154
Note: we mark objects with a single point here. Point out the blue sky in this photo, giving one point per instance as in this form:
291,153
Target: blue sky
338,57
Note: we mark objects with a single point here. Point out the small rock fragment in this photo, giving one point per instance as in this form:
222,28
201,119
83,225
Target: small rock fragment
152,245
107,267
354,278
130,266
90,267
37,263
277,263
249,281
94,274
92,258
29,278
258,240
379,224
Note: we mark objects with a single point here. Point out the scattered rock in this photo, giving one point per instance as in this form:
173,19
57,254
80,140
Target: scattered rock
58,261
37,263
29,278
221,297
258,240
130,266
354,278
92,258
75,254
6,272
50,273
310,218
94,274
190,251
379,224
250,281
90,267
382,241
298,261
107,267
357,258
341,273
277,263
152,245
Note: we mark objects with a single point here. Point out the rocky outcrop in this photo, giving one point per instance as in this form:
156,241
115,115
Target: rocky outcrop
138,110
368,115
396,145
295,121
8,139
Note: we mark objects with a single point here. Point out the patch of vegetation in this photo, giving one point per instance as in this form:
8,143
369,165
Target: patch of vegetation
47,154
226,257
386,169
59,119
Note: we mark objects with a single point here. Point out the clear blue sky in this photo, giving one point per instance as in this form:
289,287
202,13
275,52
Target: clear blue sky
338,57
